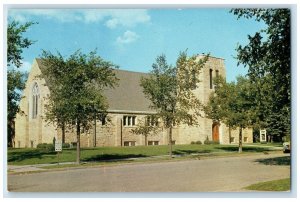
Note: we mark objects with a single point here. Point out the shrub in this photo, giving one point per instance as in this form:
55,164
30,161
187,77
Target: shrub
206,141
46,147
197,142
66,145
212,142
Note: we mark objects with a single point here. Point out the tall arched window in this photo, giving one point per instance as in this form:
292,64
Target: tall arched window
210,79
35,100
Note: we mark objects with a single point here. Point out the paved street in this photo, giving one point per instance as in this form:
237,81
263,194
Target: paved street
226,174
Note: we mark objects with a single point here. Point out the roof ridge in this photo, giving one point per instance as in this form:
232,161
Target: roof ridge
124,70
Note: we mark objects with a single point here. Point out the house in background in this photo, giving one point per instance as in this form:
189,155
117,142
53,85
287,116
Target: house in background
127,108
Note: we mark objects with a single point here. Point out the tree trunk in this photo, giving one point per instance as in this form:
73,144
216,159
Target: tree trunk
78,143
63,133
240,139
229,135
146,142
11,133
95,130
170,141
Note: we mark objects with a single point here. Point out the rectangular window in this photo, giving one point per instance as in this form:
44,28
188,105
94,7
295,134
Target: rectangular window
245,139
31,144
151,121
153,142
124,120
103,121
210,79
231,139
148,121
129,143
129,120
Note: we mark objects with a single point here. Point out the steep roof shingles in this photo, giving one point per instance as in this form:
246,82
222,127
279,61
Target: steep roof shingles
127,96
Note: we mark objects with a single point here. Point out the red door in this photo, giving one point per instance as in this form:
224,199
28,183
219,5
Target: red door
215,131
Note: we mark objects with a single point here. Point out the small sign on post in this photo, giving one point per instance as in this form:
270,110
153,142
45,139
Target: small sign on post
58,148
263,136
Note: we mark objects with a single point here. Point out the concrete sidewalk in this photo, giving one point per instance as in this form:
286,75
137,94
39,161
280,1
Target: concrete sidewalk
30,168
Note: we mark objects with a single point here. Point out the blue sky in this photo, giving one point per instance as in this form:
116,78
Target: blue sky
133,39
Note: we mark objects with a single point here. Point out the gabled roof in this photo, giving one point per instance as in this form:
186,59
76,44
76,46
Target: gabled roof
127,96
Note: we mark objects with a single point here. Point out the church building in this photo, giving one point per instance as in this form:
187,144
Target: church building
128,107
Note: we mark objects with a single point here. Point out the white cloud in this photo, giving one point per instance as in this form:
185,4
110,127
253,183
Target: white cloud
127,37
26,66
60,15
127,18
111,18
112,23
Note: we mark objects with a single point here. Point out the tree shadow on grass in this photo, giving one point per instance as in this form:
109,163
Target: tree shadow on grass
278,161
245,149
186,152
21,156
113,157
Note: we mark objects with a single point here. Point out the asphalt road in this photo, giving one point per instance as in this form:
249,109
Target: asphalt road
226,174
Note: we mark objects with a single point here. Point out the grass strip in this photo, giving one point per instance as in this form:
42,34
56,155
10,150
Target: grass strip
275,185
102,154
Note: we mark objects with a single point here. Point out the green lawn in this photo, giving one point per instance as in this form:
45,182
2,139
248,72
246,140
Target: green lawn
275,185
35,156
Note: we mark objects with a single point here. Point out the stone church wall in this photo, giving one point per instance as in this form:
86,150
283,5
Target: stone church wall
32,131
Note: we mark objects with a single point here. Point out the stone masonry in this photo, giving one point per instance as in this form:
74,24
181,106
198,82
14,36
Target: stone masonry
32,128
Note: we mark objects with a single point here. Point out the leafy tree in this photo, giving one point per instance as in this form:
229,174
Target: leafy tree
146,128
170,90
16,42
15,84
231,103
76,89
268,57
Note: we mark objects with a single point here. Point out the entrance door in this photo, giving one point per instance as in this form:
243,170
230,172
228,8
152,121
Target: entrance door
215,131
